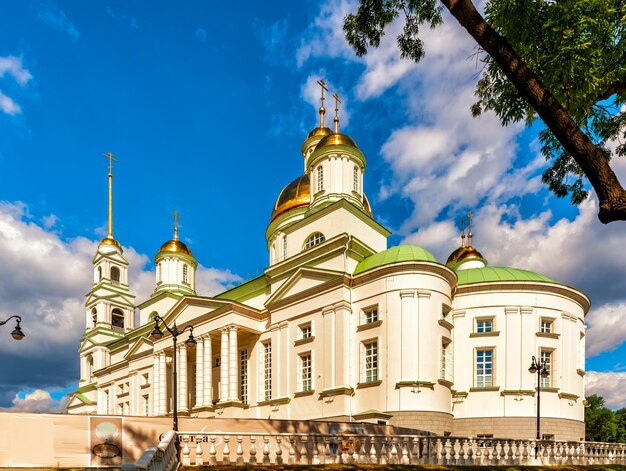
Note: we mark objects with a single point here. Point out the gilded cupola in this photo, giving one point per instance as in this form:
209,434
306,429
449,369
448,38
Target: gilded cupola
466,253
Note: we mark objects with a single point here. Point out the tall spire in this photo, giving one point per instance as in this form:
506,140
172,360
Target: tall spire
111,159
322,110
336,119
175,213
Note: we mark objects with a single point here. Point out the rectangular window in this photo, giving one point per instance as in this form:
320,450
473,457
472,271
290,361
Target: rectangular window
370,315
320,178
284,246
546,359
267,371
243,376
146,405
484,440
546,326
107,402
306,331
484,368
355,179
306,372
185,273
484,325
370,363
446,360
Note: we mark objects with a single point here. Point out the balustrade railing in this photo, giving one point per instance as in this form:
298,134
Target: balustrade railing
223,448
157,458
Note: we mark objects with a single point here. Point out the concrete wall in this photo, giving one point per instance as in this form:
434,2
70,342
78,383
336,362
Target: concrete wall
519,427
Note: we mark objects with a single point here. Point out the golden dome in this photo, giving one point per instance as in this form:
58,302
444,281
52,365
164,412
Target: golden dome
110,241
174,246
319,132
464,253
336,139
294,195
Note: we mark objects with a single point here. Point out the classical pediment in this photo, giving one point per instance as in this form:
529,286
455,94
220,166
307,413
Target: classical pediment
142,345
304,278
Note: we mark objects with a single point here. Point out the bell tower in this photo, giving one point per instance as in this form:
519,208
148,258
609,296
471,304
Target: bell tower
109,308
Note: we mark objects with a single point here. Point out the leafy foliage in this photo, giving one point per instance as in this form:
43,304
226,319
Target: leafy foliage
576,47
602,424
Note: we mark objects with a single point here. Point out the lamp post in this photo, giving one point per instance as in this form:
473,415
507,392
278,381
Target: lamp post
190,342
17,333
541,370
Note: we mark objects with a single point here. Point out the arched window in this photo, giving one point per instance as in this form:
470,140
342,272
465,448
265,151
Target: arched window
314,239
320,178
355,179
99,273
115,274
185,273
284,246
94,316
117,318
89,364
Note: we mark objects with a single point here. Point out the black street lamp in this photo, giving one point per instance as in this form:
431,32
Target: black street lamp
17,333
541,370
190,342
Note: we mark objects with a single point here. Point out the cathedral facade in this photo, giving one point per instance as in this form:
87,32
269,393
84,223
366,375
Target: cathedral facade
339,326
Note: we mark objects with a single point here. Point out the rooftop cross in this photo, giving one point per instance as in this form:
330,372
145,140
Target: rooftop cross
175,213
322,84
111,159
336,120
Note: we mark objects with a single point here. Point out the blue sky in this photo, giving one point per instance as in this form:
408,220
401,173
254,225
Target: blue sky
206,109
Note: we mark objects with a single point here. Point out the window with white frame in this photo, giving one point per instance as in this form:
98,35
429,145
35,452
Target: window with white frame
369,372
185,273
546,326
107,402
146,378
546,359
305,331
284,246
306,372
243,376
355,179
484,325
370,315
313,240
446,360
267,371
580,362
484,368
320,178
146,405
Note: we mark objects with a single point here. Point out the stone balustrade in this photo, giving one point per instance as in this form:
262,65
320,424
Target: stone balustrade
221,448
157,458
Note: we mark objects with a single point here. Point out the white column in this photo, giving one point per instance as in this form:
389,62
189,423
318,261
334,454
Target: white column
232,365
155,385
162,384
208,372
199,372
224,366
182,397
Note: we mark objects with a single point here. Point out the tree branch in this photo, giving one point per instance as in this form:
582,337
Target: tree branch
618,88
591,159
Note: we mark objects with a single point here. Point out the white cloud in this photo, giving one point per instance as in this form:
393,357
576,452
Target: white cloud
56,18
13,66
8,106
37,401
611,386
45,280
607,328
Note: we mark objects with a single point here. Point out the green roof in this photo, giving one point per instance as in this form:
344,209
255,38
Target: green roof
400,253
245,290
497,274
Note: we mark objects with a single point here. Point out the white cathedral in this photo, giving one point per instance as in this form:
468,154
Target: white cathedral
339,327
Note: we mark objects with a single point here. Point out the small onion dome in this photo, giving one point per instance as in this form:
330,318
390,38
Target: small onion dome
469,253
295,195
319,132
174,246
110,241
454,256
336,139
